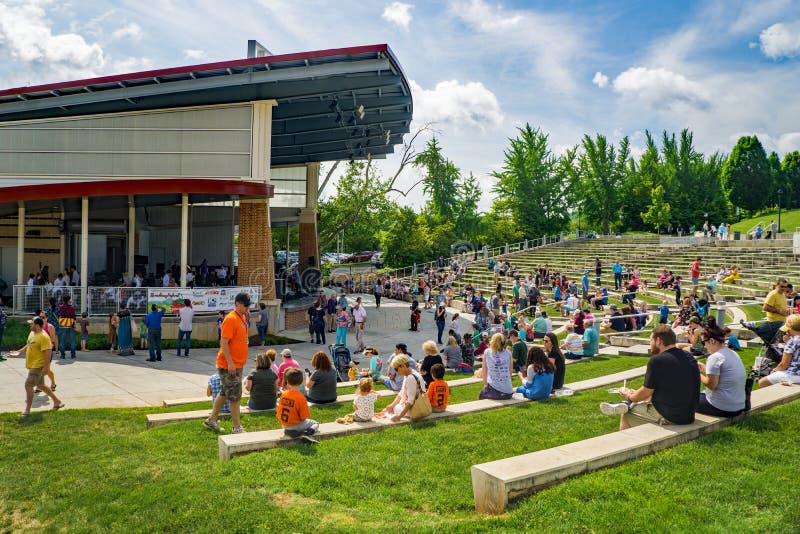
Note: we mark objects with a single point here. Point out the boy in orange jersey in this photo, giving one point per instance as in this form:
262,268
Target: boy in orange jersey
438,390
292,410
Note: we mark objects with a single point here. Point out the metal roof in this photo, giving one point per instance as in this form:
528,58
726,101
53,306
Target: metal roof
344,103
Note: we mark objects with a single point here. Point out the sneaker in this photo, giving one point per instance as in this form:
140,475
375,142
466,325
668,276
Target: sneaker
211,425
238,430
309,439
613,408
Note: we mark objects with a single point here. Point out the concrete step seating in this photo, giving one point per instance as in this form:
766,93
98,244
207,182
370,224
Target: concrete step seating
496,483
158,419
231,445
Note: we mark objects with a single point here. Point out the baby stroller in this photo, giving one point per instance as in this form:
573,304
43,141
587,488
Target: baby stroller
770,354
340,356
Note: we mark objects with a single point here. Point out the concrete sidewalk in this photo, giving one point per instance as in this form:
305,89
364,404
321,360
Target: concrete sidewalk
99,379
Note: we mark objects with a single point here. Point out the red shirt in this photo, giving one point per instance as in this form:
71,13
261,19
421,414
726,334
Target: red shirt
695,269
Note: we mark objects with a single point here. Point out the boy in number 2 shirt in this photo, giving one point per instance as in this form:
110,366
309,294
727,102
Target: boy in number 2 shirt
438,390
292,410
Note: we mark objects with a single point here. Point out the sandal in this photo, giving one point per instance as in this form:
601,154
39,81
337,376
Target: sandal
59,406
24,415
53,387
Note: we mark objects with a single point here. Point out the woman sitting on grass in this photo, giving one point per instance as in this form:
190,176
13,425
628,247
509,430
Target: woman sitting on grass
262,384
556,358
537,381
496,370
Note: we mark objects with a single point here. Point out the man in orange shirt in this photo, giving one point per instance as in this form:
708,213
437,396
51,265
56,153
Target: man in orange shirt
230,360
292,410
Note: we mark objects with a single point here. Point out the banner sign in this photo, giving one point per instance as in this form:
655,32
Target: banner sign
204,299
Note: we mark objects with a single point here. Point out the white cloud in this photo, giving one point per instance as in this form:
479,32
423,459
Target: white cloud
600,79
192,53
132,64
661,87
129,31
781,40
470,104
781,144
399,14
552,43
26,35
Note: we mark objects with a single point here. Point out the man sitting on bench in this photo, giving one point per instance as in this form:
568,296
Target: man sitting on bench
671,389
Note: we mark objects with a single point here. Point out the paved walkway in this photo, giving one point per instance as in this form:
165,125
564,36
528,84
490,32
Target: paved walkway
99,379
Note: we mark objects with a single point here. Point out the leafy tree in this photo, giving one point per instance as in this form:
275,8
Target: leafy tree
406,241
499,228
790,167
777,178
441,180
746,175
468,220
598,179
530,188
659,213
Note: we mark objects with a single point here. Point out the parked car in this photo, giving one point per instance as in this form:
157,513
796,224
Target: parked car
360,257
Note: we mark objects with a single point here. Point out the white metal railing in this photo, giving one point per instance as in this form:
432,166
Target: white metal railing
106,300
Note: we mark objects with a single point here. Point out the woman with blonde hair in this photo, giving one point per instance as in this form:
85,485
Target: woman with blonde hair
788,370
262,384
451,353
432,357
497,370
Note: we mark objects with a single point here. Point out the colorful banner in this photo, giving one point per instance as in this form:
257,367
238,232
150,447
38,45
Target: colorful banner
204,299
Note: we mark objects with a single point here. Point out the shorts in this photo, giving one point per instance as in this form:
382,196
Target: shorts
84,337
231,385
645,412
695,281
782,376
35,377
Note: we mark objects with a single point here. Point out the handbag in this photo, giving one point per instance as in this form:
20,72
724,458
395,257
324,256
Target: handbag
134,328
422,405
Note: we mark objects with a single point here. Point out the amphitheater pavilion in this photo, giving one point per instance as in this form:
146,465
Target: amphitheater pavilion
132,172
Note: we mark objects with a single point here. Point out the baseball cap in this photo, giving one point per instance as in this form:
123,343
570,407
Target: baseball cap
613,306
243,298
783,328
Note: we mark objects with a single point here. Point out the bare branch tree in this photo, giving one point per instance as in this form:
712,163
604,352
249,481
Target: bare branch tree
327,178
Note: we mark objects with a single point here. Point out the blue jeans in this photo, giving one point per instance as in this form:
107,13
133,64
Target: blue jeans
439,330
181,335
262,331
341,335
154,343
63,333
319,331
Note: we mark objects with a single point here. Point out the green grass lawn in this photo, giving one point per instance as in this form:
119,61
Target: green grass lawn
789,221
754,312
100,470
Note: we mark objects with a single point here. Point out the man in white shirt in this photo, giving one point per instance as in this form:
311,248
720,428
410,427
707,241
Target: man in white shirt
186,315
137,302
137,280
360,320
166,279
76,276
189,278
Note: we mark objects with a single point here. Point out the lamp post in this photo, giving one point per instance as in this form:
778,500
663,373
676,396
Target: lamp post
780,192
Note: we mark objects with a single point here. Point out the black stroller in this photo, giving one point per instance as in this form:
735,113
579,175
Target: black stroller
770,354
340,356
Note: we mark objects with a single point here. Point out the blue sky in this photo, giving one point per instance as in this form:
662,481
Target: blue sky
479,68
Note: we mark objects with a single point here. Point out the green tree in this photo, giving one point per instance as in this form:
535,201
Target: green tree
790,167
659,213
468,219
598,178
746,175
777,177
406,241
441,180
530,188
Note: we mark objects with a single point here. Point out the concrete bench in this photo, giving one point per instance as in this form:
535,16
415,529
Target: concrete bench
168,403
495,483
236,444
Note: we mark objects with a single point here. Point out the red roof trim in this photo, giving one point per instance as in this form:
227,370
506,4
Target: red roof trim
110,188
195,68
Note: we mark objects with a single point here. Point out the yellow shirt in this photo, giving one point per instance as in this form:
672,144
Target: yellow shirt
777,300
37,345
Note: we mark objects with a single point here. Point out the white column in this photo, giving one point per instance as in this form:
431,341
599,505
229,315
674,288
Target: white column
84,251
21,244
131,235
184,237
233,233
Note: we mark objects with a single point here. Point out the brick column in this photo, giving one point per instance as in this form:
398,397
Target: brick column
256,265
309,245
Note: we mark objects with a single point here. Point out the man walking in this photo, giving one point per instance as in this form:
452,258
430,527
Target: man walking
153,323
695,273
186,315
360,320
671,390
66,327
231,358
38,351
616,268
